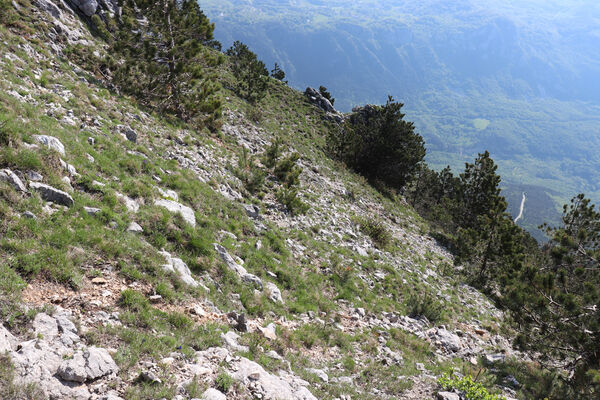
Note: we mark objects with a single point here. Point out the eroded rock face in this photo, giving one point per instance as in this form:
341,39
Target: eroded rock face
52,194
56,360
88,365
88,7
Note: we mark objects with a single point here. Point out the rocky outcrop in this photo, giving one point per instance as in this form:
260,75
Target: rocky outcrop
50,142
263,385
177,266
87,365
237,268
324,104
51,194
8,176
56,360
7,341
87,7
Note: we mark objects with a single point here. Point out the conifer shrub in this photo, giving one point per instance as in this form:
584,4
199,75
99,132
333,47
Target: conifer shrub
251,73
376,142
224,381
424,305
376,230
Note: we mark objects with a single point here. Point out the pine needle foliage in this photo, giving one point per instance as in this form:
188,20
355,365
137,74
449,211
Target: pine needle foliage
162,59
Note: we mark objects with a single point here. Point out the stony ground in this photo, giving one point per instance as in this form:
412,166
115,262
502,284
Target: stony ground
99,338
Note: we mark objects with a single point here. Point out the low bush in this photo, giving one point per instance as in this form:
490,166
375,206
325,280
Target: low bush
472,390
376,230
426,306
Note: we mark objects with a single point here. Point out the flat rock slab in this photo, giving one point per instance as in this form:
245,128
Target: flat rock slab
50,142
54,195
45,326
134,227
88,365
175,207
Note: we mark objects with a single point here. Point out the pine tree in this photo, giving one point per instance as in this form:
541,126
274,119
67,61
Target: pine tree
556,303
251,73
278,73
377,142
163,60
487,239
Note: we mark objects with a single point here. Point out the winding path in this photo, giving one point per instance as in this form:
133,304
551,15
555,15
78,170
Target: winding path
522,207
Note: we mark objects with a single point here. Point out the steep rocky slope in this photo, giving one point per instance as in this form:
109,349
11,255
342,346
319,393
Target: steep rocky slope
136,264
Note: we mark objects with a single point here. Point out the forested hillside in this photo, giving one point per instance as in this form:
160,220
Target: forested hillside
518,78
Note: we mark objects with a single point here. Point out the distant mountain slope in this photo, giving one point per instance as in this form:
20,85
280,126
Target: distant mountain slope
520,79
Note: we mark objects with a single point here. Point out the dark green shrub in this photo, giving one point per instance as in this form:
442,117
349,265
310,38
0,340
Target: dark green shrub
376,142
426,306
251,73
377,231
289,198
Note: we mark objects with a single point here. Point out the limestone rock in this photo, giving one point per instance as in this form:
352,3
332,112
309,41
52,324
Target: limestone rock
175,207
180,268
447,396
8,176
54,195
448,340
7,340
269,331
88,365
131,205
51,142
237,268
213,394
266,386
50,8
92,211
317,98
252,211
320,373
45,326
231,340
274,292
88,7
134,227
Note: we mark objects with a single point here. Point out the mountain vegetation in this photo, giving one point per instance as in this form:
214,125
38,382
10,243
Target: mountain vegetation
518,78
176,223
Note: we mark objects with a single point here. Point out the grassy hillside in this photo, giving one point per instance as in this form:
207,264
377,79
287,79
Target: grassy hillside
225,289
